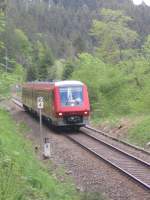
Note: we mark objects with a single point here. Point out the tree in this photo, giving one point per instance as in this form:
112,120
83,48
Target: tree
146,48
31,73
22,47
68,70
104,83
91,70
42,60
113,35
18,47
55,72
2,45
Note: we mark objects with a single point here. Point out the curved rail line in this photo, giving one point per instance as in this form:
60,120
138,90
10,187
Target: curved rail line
133,167
118,140
117,149
130,165
17,102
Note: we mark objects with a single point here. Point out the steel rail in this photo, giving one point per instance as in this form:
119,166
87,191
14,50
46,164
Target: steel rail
116,139
145,185
118,149
17,102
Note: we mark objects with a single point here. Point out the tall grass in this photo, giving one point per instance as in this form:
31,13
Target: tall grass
22,177
140,133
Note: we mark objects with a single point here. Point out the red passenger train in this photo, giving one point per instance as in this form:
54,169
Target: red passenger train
66,103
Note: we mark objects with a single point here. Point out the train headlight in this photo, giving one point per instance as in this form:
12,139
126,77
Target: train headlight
60,114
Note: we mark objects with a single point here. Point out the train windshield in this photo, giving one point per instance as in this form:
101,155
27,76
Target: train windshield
71,96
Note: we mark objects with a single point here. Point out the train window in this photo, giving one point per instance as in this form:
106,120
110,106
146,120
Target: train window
71,96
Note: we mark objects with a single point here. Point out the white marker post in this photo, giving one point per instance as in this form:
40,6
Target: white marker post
47,148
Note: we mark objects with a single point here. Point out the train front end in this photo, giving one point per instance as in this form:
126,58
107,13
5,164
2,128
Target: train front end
71,103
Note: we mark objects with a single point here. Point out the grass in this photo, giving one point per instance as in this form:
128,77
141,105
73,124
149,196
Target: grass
22,176
138,133
111,120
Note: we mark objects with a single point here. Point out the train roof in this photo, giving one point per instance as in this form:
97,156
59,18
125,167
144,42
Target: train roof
63,83
48,85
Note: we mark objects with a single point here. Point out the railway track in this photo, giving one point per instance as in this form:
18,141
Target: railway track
133,167
117,140
17,102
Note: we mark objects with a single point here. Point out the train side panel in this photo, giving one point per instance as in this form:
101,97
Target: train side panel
27,96
29,99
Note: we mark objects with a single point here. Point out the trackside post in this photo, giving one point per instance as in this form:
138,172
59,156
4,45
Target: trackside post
46,153
40,106
47,148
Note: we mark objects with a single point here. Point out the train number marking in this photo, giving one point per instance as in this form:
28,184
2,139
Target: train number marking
40,103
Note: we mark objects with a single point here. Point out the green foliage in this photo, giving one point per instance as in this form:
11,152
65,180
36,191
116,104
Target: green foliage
68,70
87,68
9,79
2,22
31,73
42,60
56,71
17,48
103,82
119,90
146,47
21,175
2,28
139,134
113,35
18,45
137,88
116,16
64,25
22,42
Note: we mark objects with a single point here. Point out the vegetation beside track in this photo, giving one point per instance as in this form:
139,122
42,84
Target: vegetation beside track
134,129
115,94
21,175
140,133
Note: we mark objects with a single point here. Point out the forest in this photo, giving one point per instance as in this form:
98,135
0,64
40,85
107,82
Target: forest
105,44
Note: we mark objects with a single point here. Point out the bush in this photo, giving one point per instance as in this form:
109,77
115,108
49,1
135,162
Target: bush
119,90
